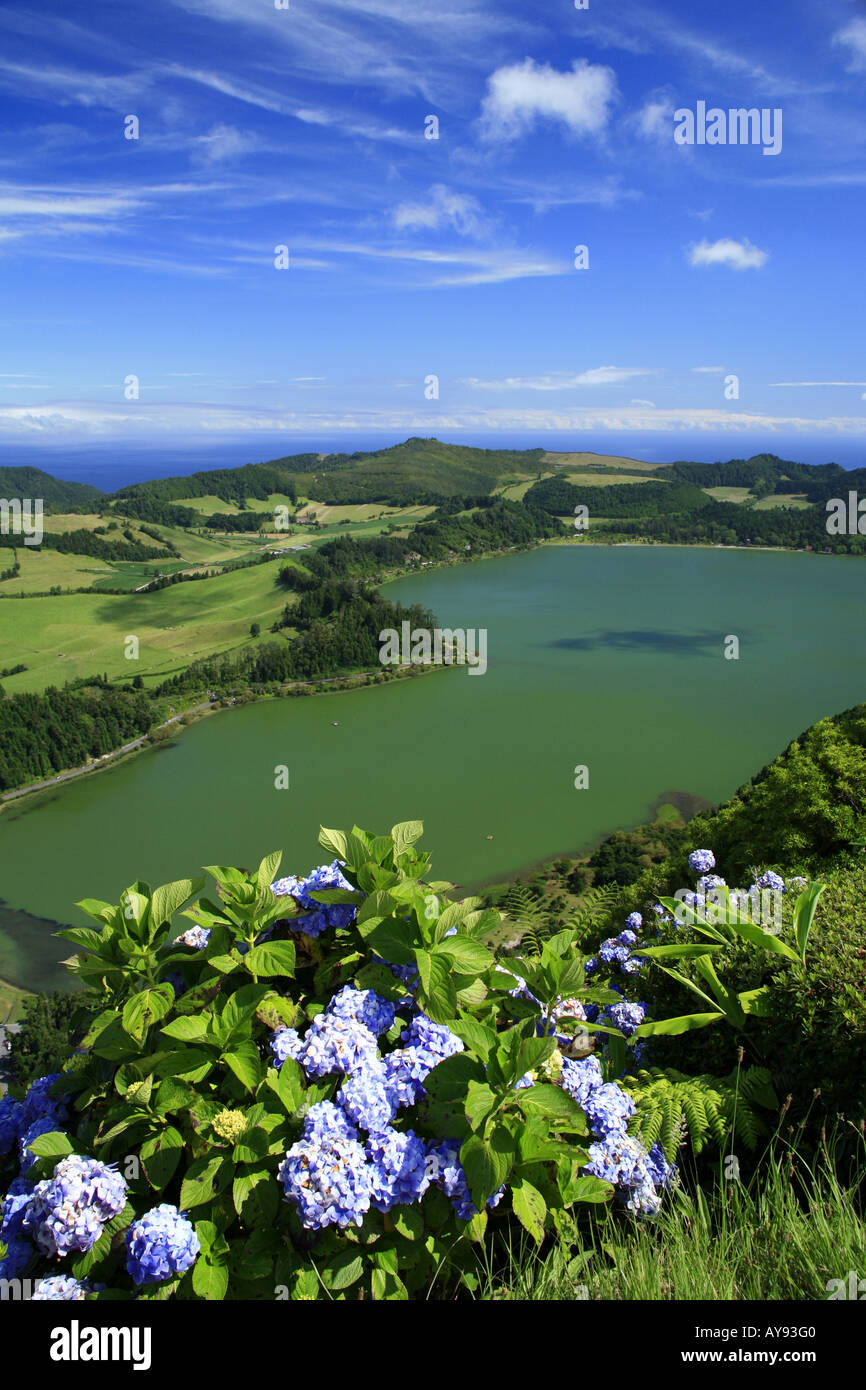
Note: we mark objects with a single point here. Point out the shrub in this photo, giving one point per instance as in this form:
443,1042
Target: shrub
323,1085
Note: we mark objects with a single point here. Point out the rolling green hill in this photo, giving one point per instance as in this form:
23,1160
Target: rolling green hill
33,483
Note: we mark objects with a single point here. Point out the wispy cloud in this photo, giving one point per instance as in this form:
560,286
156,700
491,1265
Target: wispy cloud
561,381
443,207
853,37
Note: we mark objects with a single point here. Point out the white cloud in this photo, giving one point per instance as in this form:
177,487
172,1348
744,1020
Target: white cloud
654,121
518,95
89,419
818,383
442,207
560,381
716,370
853,37
738,255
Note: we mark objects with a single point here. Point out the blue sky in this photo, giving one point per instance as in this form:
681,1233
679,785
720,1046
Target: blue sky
411,257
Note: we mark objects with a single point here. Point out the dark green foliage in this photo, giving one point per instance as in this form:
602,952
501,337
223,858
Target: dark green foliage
41,735
620,499
47,1035
56,495
148,508
712,1110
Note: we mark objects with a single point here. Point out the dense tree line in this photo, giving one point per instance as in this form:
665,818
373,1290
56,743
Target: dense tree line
239,521
41,735
85,542
336,637
56,495
233,485
620,499
153,509
727,523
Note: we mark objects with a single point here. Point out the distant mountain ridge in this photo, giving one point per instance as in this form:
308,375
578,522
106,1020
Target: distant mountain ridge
416,471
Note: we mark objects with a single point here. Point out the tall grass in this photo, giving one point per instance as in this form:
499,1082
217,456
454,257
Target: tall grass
784,1234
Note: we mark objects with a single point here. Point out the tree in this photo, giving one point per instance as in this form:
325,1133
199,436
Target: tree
255,629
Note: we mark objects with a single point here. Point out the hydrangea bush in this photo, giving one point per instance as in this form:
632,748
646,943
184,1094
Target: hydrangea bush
325,1087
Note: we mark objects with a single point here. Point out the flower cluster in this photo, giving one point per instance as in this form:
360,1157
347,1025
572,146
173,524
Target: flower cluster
197,937
317,917
61,1288
160,1245
22,1120
617,950
69,1210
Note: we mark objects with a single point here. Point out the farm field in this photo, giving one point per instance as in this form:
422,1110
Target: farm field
782,499
586,460
728,494
66,637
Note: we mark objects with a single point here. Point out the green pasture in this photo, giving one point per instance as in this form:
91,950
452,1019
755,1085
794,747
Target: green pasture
63,638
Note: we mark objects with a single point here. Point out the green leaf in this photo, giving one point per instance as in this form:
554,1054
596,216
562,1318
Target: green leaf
145,1008
756,937
288,1084
469,956
168,899
804,914
394,941
343,1270
577,1187
86,937
267,870
94,907
476,1036
671,1027
205,1178
486,1164
375,908
408,1222
440,993
246,1064
480,1103
54,1144
271,958
209,1280
405,834
555,1104
256,1198
683,952
530,1208
160,1156
334,841
189,1028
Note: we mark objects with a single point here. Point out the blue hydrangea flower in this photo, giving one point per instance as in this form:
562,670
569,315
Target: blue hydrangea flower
367,1098
625,1016
663,915
68,1210
10,1123
196,937
42,1126
608,1110
632,965
339,1044
329,1179
446,1171
406,1068
366,1006
634,921
38,1103
325,1118
702,860
286,1042
61,1288
706,882
661,1172
319,916
525,1081
431,1040
160,1245
612,951
13,1206
398,1164
798,881
627,937
19,1253
771,880
580,1077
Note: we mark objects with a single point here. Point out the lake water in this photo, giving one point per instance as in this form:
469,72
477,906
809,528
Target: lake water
612,658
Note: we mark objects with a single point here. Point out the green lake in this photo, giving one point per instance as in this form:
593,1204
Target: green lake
612,658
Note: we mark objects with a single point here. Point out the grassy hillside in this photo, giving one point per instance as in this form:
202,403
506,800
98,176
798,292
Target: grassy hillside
33,483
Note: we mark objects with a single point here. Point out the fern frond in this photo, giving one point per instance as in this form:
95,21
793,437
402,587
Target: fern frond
711,1109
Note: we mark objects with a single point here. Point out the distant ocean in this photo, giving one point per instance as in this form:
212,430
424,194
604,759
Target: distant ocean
113,465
